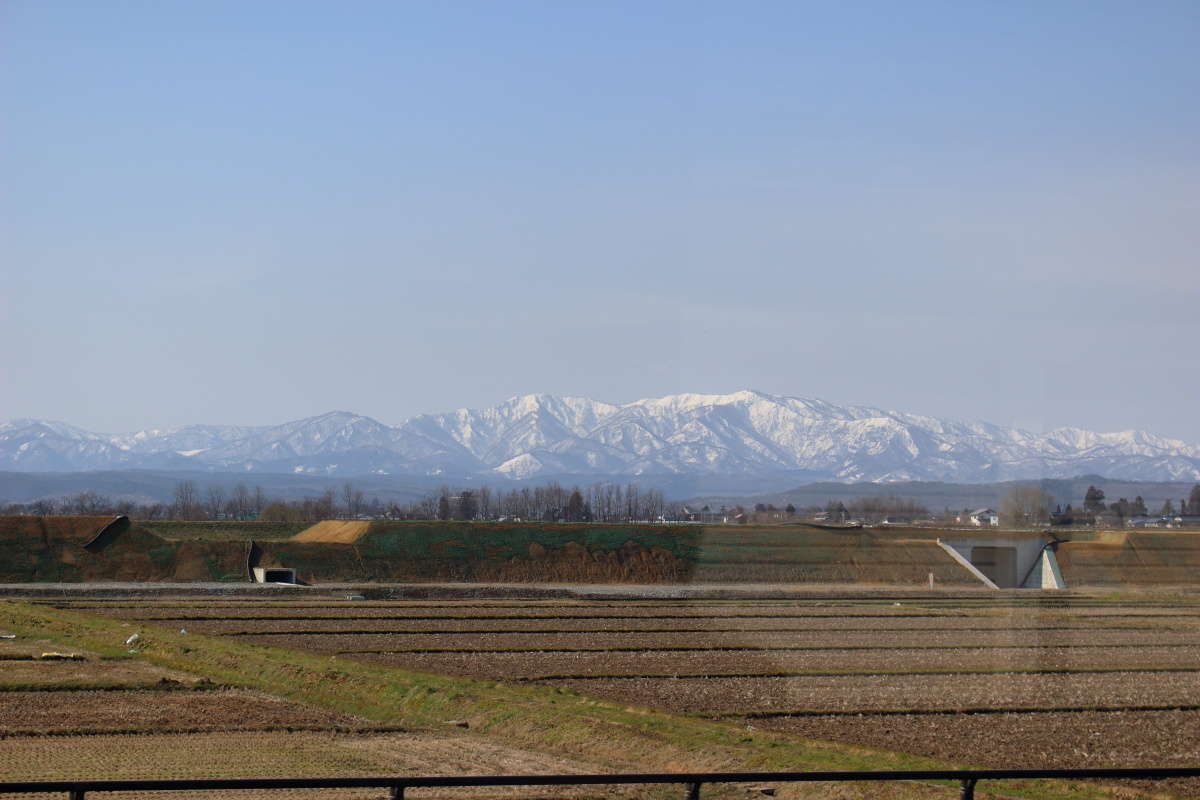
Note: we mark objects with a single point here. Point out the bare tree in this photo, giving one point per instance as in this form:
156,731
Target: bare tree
325,506
575,506
426,508
44,507
485,502
87,503
215,501
242,501
1025,506
468,507
186,500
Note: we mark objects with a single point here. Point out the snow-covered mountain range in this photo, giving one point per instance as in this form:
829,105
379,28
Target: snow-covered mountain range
541,436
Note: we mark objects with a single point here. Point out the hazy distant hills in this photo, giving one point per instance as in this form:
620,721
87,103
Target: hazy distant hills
711,438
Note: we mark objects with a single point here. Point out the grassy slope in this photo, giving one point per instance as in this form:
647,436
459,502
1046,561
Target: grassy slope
533,718
595,553
50,549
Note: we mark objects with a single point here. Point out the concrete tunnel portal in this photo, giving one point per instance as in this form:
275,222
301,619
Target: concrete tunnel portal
1012,561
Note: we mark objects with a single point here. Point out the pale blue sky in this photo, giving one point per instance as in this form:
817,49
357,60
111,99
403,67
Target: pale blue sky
247,212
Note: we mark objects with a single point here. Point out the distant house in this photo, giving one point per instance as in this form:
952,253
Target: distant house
982,518
1146,522
704,515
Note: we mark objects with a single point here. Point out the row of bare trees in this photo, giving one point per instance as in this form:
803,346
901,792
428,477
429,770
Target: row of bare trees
213,503
600,502
244,503
189,501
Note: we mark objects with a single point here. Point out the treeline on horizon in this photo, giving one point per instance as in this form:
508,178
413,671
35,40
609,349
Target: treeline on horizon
552,502
600,502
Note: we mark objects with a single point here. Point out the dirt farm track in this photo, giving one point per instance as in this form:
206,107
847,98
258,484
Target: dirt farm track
964,678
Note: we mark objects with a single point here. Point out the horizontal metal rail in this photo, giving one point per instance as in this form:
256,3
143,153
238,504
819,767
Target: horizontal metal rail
692,781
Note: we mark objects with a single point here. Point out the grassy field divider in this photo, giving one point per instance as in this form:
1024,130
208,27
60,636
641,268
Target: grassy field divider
110,686
30,733
539,719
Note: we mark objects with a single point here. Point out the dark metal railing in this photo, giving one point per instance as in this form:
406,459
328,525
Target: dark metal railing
693,781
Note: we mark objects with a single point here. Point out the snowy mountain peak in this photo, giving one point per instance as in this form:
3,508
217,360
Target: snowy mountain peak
744,433
688,402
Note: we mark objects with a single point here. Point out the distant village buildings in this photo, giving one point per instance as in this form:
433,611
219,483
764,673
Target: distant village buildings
980,518
707,515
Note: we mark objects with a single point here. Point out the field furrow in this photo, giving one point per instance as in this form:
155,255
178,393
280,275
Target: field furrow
27,713
876,692
755,640
288,755
1066,739
658,625
666,663
1017,680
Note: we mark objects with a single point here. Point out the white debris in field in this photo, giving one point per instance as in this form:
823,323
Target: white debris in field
132,639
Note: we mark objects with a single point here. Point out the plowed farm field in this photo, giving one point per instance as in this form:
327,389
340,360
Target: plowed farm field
1009,682
287,754
1015,680
68,713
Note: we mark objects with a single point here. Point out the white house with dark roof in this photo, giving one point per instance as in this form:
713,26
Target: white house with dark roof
983,517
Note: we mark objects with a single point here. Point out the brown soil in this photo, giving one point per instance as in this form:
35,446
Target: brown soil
878,692
285,755
160,712
1054,740
533,611
992,740
332,530
650,624
487,642
507,666
134,674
